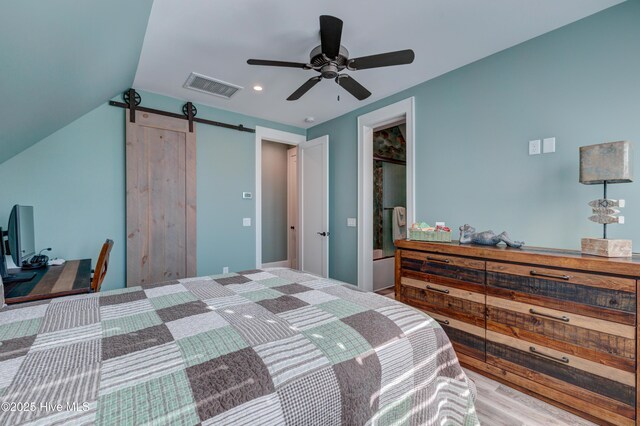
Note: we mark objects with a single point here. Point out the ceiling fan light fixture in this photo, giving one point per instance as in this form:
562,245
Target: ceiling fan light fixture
257,88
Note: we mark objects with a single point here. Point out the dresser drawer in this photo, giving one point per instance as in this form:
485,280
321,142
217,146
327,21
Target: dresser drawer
443,269
460,312
593,295
604,386
604,342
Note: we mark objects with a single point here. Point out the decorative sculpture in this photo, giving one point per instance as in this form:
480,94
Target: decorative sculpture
468,235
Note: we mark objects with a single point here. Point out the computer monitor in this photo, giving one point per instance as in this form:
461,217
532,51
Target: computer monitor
21,234
8,278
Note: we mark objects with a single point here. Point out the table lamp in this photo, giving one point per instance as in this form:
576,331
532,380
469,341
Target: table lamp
606,163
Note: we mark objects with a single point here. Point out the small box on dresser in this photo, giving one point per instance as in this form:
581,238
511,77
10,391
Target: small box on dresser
557,324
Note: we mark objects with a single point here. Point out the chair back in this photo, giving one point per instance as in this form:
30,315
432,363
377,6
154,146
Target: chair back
102,265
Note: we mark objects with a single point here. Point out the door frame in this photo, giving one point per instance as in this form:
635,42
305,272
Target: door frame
321,140
272,135
367,123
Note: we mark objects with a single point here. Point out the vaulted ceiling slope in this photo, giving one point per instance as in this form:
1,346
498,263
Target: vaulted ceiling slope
61,59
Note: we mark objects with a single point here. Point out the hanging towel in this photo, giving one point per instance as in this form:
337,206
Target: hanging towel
399,223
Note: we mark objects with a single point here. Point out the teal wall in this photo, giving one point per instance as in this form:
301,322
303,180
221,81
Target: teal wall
75,179
580,83
60,59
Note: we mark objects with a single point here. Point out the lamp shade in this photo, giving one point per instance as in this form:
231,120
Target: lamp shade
606,162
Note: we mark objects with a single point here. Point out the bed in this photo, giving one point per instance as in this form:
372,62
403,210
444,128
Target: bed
257,347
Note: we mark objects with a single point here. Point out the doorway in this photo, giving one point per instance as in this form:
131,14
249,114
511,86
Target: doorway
383,118
279,205
389,199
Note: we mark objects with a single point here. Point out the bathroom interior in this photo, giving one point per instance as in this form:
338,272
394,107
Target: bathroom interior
389,199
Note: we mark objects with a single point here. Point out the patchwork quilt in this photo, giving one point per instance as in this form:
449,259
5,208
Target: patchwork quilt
272,347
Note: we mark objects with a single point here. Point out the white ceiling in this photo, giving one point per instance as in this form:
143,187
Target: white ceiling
215,38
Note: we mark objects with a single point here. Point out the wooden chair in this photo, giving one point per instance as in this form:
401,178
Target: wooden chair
101,266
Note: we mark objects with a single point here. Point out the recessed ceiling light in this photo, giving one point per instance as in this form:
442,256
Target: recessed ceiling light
257,88
309,119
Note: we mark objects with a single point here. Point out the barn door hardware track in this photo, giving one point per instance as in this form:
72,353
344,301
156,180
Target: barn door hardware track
189,112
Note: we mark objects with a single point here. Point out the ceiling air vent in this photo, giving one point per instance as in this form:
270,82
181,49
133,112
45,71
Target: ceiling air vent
209,85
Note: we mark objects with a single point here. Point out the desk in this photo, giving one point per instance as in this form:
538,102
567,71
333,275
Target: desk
74,277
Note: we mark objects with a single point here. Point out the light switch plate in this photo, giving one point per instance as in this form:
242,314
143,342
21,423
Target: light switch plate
246,221
247,195
351,222
548,145
534,147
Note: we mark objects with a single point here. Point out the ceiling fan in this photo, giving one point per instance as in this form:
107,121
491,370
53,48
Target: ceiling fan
331,58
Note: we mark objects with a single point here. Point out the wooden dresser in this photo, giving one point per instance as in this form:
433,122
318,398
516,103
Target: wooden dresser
553,323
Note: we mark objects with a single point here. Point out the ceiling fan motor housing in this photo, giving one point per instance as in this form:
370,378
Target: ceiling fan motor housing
329,67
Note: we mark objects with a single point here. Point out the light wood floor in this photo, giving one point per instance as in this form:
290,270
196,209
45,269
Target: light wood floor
500,405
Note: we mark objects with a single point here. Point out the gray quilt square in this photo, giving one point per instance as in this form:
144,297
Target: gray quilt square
183,310
312,400
226,382
113,299
292,288
282,304
123,344
359,382
239,279
377,329
14,348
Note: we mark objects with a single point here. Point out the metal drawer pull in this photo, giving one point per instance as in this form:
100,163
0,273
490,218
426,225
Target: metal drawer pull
540,274
562,318
445,322
564,359
435,259
445,291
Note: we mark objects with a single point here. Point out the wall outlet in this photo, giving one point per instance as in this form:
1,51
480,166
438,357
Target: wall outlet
351,222
225,270
534,147
548,145
246,221
247,195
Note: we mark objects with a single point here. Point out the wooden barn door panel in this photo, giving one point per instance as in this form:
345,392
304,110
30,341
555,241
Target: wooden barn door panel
161,205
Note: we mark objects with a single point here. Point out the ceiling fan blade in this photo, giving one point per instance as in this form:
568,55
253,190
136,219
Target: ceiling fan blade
401,57
278,63
352,86
304,88
330,35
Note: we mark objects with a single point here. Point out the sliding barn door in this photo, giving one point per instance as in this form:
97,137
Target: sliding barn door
161,199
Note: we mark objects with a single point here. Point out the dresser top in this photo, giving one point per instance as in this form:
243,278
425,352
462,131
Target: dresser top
570,259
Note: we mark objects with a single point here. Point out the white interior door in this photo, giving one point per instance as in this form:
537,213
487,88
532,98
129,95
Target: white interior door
292,207
313,196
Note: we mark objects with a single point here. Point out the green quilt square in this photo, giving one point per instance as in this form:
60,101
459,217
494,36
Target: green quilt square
17,329
209,345
130,323
275,282
338,341
256,296
341,308
163,400
172,299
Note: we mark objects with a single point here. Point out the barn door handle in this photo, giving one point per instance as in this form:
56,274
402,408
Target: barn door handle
564,359
540,274
435,259
324,234
445,291
562,318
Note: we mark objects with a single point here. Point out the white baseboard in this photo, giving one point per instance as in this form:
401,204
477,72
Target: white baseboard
280,264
